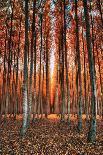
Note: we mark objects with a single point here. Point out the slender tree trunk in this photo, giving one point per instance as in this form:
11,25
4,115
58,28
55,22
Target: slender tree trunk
99,5
92,130
39,101
47,77
85,83
62,78
93,35
10,42
61,57
31,65
17,64
5,52
35,103
66,66
101,82
25,82
79,70
56,90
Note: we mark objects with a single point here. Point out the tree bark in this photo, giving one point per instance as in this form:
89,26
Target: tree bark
31,64
79,71
25,78
66,66
92,130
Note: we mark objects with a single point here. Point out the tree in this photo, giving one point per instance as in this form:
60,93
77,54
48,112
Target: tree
92,130
25,76
79,71
31,62
66,66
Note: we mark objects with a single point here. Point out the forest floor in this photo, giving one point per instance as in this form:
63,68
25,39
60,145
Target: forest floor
48,137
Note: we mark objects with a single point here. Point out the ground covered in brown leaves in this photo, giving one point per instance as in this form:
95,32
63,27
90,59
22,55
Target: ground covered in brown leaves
48,137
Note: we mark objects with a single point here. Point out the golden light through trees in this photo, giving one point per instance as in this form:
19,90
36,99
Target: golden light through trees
51,59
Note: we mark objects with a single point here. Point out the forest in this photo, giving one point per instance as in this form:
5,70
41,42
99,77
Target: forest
51,77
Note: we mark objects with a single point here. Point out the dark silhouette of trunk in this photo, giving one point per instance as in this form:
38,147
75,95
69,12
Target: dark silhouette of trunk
99,5
56,102
18,54
61,58
5,51
47,76
42,87
39,100
66,66
79,71
59,74
35,103
92,130
62,76
17,69
73,94
10,41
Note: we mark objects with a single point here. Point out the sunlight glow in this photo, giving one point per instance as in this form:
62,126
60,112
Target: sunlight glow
52,58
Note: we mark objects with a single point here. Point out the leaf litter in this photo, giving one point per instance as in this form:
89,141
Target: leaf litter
48,137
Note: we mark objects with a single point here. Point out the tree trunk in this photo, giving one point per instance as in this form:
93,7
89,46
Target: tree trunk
10,42
66,66
101,82
39,101
25,82
92,130
99,5
31,64
85,83
47,77
79,71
